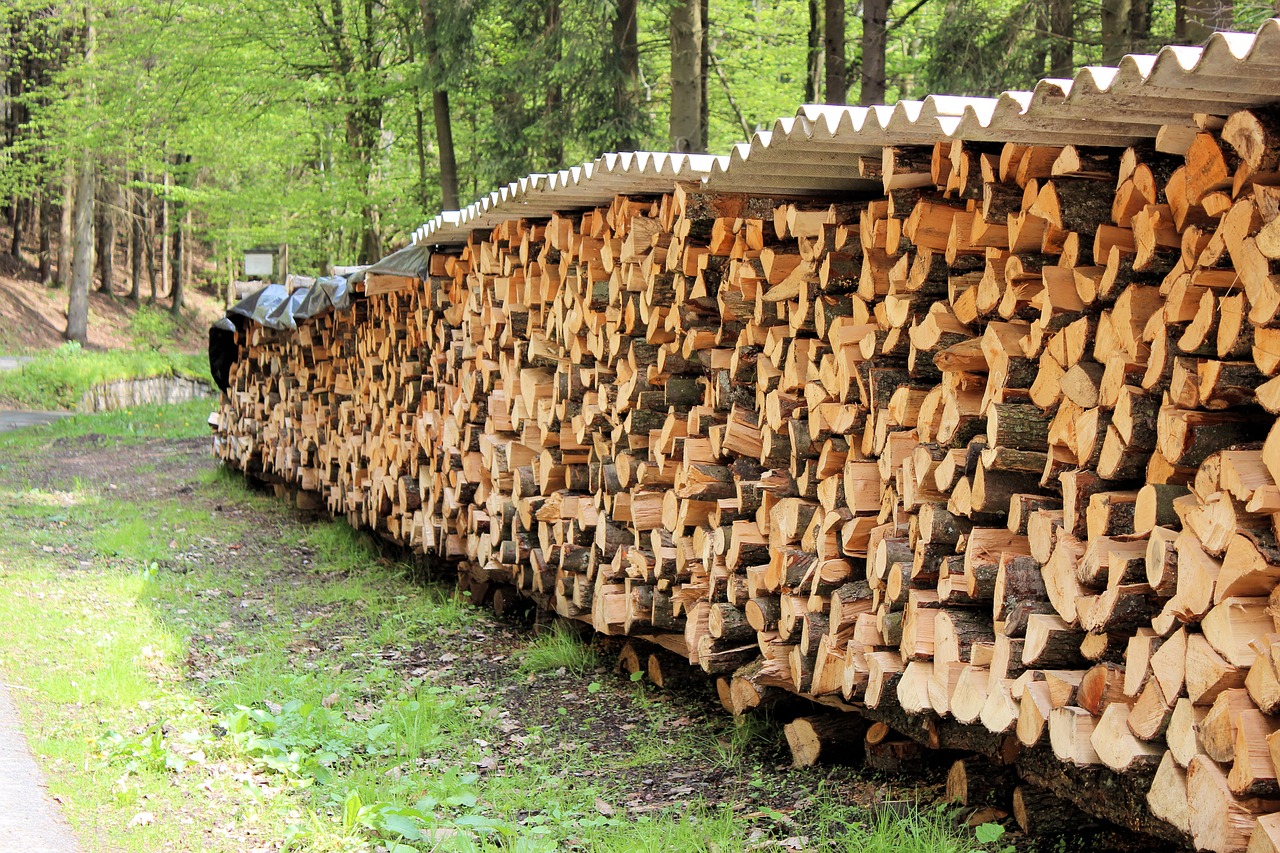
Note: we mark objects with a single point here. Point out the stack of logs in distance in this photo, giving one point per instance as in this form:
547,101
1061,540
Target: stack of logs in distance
990,458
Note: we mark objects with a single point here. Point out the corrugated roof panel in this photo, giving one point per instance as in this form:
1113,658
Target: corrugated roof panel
817,149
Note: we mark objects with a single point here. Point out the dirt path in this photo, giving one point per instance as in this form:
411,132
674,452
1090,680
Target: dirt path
30,821
18,420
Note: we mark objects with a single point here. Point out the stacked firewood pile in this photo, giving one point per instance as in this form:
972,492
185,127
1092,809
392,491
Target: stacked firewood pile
989,458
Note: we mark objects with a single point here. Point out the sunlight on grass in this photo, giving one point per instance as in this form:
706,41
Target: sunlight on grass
183,420
58,378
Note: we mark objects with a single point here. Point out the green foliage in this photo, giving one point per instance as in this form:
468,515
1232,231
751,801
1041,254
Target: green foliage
559,648
147,752
989,833
59,378
313,125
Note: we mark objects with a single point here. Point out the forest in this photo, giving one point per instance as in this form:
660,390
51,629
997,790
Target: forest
151,133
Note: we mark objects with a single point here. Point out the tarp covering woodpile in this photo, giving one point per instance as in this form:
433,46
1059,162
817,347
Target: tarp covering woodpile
959,415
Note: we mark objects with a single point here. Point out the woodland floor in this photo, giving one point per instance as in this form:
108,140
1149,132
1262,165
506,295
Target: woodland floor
33,316
249,606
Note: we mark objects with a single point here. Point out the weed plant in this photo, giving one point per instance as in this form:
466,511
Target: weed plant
557,648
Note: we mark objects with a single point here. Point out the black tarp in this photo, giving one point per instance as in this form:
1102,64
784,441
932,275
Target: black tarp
275,308
413,261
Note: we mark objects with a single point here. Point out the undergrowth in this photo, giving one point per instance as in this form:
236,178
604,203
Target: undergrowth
58,378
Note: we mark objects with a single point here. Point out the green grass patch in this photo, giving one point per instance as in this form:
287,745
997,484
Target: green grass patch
128,426
558,648
58,378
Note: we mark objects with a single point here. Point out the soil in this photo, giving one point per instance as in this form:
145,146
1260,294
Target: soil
550,711
33,316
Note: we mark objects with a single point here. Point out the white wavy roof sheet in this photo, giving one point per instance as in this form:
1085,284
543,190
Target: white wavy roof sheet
597,182
816,151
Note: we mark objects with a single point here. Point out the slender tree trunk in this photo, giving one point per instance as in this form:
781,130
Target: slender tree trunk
874,39
420,146
837,82
1115,30
1139,25
686,88
166,239
284,263
64,226
149,235
179,267
136,237
704,102
813,62
231,277
1040,45
555,92
17,218
444,149
82,262
1062,30
45,220
106,235
440,112
189,251
626,46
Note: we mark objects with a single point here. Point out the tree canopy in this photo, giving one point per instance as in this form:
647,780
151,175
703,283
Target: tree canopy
334,126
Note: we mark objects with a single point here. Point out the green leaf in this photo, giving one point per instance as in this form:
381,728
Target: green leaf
594,687
989,833
401,825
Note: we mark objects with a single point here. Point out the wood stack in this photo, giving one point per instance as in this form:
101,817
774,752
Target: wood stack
990,458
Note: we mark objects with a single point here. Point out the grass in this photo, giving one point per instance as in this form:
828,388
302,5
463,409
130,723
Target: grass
559,648
207,673
59,378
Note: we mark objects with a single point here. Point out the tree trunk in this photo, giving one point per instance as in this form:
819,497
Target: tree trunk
440,110
1040,46
837,83
64,226
106,235
1139,25
189,252
180,251
18,217
813,63
444,147
1115,30
82,263
149,243
1062,28
44,220
166,271
686,88
626,46
704,62
874,38
136,236
555,92
420,146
